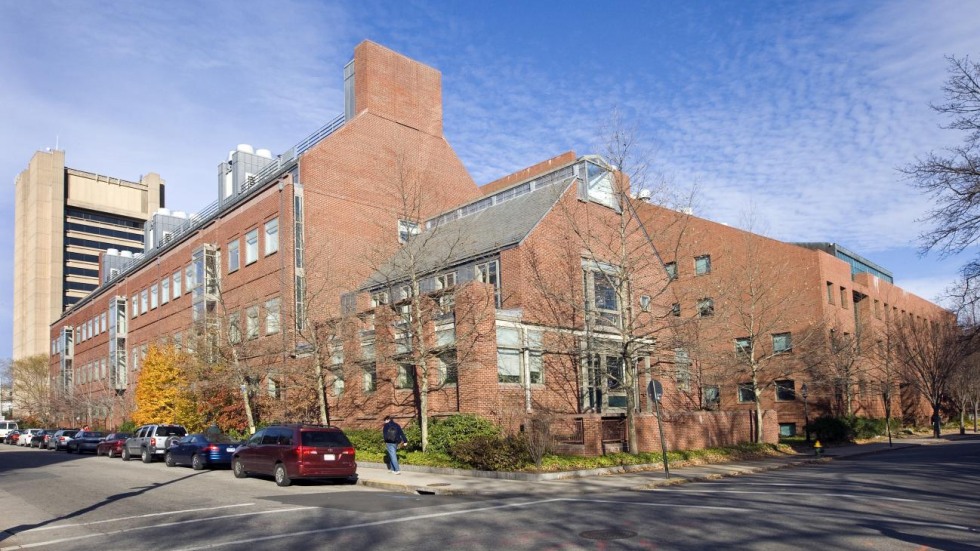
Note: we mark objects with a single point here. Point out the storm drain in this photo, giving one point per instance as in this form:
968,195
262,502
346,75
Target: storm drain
610,534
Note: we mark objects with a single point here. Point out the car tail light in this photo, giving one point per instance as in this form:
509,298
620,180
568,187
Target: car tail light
210,448
303,450
348,451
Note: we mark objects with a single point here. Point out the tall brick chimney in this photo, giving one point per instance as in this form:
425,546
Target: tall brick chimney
394,87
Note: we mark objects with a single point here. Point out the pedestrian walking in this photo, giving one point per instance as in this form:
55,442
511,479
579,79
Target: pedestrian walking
394,437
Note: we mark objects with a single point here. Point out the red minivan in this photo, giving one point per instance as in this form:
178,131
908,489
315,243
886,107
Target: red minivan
288,452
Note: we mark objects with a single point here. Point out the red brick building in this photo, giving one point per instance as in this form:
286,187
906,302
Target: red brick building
366,261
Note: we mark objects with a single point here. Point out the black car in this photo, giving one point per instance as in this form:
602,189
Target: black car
202,451
84,441
40,439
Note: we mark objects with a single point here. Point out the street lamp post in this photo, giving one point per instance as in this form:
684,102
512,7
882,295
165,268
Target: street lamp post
806,414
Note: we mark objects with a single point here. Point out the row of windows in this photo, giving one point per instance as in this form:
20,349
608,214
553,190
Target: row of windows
161,292
97,370
271,232
782,343
101,245
104,232
785,391
702,266
253,321
92,328
103,218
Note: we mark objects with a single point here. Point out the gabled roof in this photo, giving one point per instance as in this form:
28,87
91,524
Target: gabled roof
496,227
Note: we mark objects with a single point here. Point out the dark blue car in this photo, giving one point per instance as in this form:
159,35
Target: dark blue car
201,451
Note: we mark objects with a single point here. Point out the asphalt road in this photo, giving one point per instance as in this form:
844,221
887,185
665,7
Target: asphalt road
926,497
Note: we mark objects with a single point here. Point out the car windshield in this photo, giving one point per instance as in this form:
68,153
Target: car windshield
69,433
120,435
221,439
324,439
171,431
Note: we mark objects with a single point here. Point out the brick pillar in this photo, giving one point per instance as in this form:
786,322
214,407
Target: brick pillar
476,350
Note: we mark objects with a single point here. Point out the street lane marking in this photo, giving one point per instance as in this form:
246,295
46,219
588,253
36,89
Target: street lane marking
148,515
437,515
810,494
162,525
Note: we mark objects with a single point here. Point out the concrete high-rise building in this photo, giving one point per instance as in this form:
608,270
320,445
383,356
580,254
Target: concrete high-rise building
64,220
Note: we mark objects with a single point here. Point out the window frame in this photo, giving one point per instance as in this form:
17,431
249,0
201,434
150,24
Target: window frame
251,246
271,231
234,255
787,348
706,307
785,392
706,268
746,393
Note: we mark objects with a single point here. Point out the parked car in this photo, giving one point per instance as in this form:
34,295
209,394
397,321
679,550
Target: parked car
84,441
60,439
27,436
150,441
112,444
45,438
202,451
7,427
289,452
11,437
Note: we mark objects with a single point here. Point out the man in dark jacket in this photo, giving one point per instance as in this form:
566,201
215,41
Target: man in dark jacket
394,437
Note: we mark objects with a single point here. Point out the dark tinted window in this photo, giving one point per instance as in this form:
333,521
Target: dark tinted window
271,437
325,438
171,431
220,439
95,434
257,438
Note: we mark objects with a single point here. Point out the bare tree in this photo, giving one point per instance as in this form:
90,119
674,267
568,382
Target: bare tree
608,289
965,388
930,352
952,178
30,387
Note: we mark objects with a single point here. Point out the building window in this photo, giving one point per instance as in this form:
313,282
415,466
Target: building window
746,393
234,328
785,390
251,246
702,265
135,305
682,368
104,322
671,268
252,322
233,256
177,280
787,429
743,347
830,292
782,343
272,316
601,295
271,236
675,309
706,307
445,281
378,299
843,297
406,377
406,230
154,296
487,272
144,301
519,355
711,396
448,374
165,290
189,277
338,381
369,373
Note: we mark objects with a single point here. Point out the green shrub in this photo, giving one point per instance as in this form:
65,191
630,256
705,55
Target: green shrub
832,429
493,453
127,426
366,440
446,432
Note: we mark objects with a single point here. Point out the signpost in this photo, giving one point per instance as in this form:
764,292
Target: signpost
656,391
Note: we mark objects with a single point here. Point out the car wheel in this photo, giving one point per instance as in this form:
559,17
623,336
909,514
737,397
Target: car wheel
125,454
111,453
238,468
169,460
98,452
282,478
146,456
196,463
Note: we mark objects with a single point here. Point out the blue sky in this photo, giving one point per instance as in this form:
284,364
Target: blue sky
798,112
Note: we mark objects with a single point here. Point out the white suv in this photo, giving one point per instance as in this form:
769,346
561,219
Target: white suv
7,427
151,440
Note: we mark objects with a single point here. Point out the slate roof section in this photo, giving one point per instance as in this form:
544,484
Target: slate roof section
472,236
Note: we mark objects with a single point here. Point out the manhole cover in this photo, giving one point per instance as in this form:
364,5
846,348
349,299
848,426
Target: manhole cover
612,534
439,484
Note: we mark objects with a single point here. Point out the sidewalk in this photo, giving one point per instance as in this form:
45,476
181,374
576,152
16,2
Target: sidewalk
425,480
